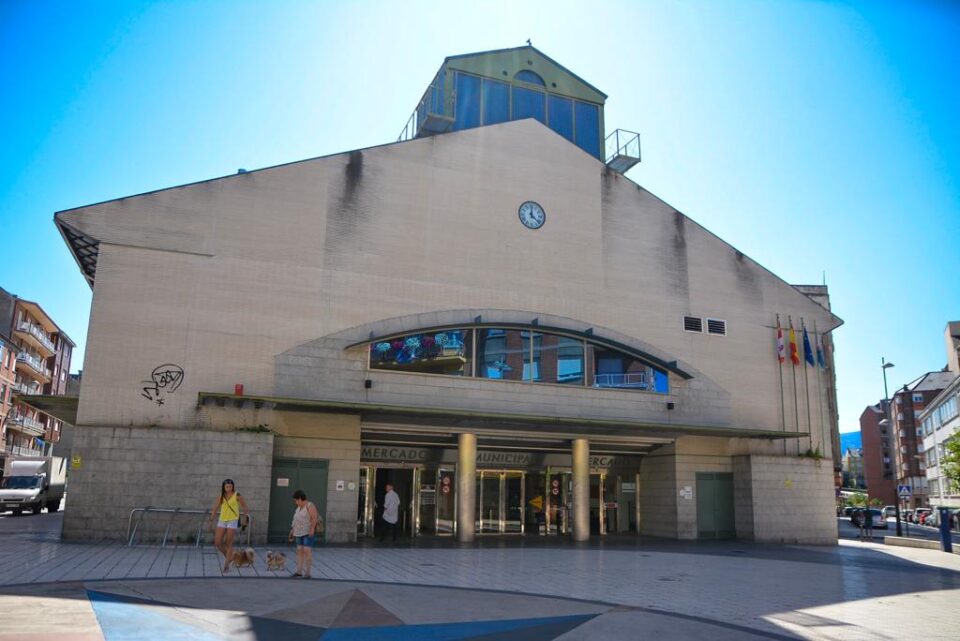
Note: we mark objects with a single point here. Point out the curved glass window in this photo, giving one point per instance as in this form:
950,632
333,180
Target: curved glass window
445,352
530,77
522,355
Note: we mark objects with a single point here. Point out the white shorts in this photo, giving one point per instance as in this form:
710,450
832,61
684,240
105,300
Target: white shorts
230,525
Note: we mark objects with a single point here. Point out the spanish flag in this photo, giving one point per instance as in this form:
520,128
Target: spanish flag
794,355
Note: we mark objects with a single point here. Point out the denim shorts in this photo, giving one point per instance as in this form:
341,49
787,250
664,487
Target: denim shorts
305,541
229,525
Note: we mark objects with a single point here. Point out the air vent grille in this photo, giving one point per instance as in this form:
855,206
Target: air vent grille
716,326
692,324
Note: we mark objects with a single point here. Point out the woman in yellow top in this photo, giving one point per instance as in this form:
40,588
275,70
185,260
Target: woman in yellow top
230,506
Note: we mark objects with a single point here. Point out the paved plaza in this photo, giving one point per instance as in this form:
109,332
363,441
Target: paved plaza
611,589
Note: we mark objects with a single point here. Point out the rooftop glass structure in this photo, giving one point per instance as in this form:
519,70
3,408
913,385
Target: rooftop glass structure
491,87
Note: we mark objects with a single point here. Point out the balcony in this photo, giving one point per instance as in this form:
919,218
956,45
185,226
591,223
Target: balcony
28,389
32,366
629,380
622,150
16,450
33,335
433,114
27,425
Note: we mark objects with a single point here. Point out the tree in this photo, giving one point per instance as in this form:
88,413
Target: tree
951,461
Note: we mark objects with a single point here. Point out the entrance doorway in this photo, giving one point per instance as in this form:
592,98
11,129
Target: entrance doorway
289,475
500,500
403,484
715,518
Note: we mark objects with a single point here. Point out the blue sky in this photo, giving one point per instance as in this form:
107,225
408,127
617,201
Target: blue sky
819,138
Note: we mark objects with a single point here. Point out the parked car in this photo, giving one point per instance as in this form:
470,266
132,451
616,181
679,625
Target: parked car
906,515
891,510
848,510
919,514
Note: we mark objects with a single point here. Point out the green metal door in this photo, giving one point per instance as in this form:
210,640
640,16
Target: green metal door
715,518
290,474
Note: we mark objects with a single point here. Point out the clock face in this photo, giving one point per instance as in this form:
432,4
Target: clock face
532,215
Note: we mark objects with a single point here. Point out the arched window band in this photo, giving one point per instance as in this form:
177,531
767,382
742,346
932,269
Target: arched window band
524,353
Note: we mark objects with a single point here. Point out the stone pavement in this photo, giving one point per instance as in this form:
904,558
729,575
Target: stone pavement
656,590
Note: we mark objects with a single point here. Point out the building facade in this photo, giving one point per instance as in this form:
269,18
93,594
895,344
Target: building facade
8,360
907,405
487,315
853,477
878,453
42,354
940,423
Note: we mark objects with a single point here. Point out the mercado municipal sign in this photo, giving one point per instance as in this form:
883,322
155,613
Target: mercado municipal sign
489,458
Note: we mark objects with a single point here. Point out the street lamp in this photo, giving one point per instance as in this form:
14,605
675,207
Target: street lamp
884,365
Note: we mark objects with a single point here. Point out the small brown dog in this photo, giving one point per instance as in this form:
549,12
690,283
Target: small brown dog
242,558
276,560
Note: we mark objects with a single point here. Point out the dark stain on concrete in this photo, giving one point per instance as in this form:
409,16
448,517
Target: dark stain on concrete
348,209
748,281
353,174
679,268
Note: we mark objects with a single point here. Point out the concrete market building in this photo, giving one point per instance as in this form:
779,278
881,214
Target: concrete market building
486,314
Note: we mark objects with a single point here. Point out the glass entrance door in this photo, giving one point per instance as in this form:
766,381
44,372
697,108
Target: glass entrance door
500,508
488,502
557,501
513,507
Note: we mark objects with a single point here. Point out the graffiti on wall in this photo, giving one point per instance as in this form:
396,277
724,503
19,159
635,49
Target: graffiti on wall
164,379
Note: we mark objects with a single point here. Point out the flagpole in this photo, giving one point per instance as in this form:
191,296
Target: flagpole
820,368
783,409
796,402
806,381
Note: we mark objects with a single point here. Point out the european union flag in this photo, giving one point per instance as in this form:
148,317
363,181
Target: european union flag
807,350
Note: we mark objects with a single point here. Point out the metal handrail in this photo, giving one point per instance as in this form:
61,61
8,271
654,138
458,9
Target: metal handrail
173,511
38,333
622,143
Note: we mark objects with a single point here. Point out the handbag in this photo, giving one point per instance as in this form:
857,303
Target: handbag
319,529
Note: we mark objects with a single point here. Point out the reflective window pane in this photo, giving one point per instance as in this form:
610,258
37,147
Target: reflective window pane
503,354
444,352
560,115
559,358
496,102
528,103
613,369
529,76
587,120
467,102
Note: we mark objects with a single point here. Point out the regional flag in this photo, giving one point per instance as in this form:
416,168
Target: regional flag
794,356
781,352
807,350
821,359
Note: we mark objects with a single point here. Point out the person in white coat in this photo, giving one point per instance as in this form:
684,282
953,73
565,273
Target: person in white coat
391,512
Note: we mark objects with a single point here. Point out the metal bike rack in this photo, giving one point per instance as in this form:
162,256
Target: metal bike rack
141,512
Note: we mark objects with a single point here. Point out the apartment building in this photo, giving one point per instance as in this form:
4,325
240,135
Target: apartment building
41,352
907,405
878,453
940,422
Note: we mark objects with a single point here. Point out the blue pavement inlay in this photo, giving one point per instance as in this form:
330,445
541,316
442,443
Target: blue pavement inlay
121,619
448,631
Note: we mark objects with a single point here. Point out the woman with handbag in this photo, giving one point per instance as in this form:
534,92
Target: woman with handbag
231,508
307,525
